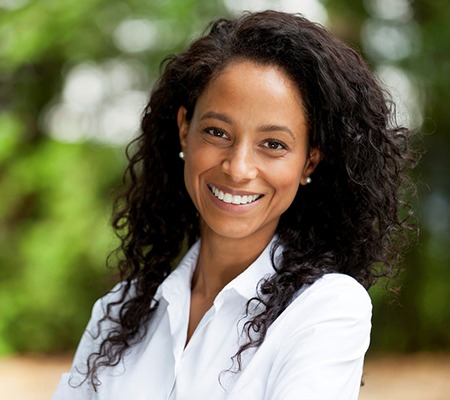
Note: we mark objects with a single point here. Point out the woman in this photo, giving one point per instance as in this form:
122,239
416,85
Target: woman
289,203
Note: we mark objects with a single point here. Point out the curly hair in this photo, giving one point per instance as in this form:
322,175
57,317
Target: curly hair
351,220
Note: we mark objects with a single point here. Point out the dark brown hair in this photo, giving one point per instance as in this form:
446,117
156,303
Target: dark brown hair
349,220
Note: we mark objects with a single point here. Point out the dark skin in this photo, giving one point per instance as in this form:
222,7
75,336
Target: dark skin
250,143
208,282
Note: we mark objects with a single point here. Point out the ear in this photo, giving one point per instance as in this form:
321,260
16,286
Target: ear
183,127
314,157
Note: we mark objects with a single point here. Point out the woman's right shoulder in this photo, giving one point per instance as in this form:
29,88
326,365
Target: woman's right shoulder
74,385
114,299
104,318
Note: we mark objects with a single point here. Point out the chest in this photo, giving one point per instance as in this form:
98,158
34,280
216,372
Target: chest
164,367
199,306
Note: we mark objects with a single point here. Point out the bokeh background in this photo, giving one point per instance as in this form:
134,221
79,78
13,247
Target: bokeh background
74,77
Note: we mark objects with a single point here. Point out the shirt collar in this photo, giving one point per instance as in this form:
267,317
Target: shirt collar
178,283
246,283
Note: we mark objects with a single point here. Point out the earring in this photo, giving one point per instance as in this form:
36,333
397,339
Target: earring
181,155
308,180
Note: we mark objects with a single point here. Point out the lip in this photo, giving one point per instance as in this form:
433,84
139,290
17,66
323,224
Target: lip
230,207
233,192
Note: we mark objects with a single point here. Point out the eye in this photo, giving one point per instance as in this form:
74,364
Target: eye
272,144
215,132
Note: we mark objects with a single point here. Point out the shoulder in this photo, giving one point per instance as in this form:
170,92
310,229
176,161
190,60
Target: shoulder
98,326
109,305
335,300
335,289
317,344
335,294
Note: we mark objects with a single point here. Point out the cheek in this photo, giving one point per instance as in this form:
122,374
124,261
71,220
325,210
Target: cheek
189,178
286,184
201,159
196,164
288,190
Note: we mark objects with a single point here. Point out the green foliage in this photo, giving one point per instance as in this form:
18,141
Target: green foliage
55,238
417,316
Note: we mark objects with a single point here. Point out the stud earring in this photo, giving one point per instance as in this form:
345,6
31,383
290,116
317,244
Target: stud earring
308,180
181,155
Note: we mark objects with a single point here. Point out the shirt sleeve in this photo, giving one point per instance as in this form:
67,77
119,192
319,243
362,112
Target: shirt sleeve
323,356
72,385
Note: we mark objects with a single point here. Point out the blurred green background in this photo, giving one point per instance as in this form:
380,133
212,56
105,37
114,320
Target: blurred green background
74,76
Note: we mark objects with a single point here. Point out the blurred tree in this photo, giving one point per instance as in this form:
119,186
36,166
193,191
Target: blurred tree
418,318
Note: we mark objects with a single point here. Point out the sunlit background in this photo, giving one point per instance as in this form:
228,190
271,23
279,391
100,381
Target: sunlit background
74,78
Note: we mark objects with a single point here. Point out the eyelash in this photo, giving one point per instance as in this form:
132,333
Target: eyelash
219,133
280,145
215,132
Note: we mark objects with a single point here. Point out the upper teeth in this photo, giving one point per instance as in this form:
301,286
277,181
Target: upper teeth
234,199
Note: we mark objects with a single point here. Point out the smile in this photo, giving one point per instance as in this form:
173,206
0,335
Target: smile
233,199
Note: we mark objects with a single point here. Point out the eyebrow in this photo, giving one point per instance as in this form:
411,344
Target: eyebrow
277,128
216,115
265,128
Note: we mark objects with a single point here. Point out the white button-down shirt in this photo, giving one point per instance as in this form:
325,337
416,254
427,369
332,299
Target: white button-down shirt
314,350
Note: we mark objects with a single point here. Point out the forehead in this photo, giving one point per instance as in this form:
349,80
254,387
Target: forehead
248,90
242,68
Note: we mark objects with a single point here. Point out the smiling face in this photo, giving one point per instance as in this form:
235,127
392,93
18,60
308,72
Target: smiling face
246,150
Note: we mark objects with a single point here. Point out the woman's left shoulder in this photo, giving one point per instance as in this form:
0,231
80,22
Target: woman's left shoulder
336,288
334,299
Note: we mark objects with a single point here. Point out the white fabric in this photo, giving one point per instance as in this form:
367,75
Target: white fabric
314,350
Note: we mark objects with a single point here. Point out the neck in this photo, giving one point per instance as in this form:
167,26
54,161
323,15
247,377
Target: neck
223,259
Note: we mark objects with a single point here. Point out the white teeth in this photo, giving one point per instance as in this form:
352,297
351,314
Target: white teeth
227,198
236,199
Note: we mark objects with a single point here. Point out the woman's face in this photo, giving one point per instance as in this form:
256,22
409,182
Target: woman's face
246,150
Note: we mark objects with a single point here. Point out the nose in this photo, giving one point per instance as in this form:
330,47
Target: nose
239,163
